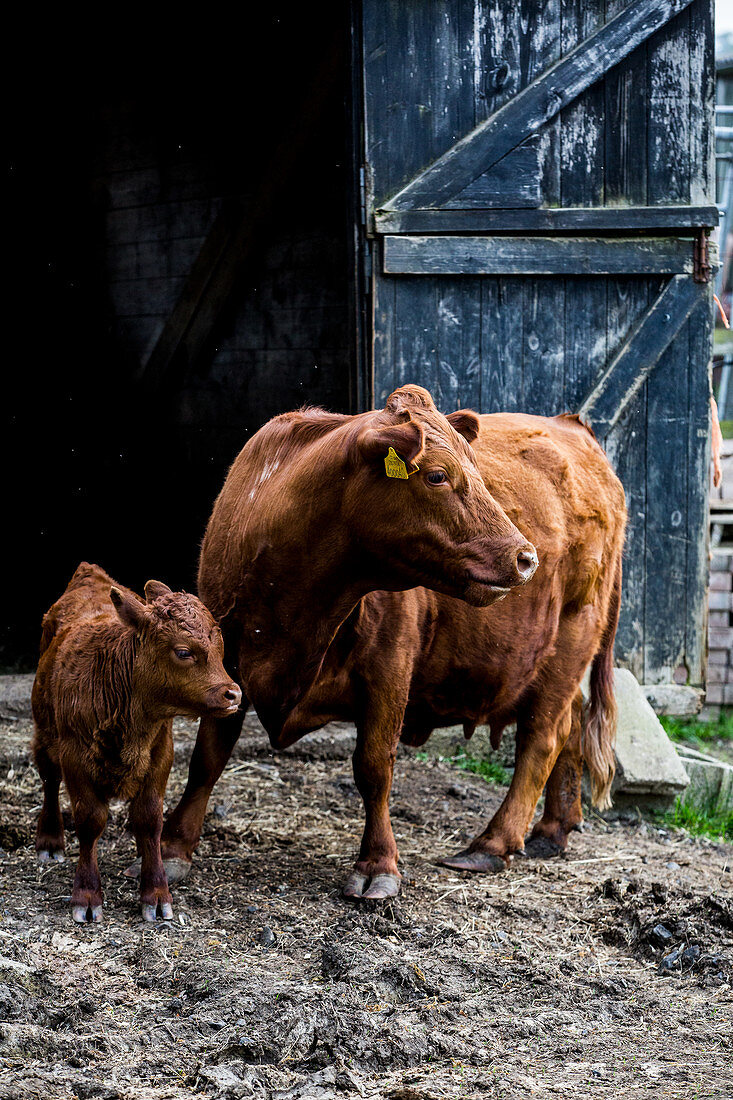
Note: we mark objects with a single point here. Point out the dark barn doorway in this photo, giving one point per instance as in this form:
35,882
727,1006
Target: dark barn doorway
181,260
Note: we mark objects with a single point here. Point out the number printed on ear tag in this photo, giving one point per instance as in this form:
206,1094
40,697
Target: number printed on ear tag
394,465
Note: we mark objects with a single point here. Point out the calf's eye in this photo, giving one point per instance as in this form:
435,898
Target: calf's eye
183,654
437,477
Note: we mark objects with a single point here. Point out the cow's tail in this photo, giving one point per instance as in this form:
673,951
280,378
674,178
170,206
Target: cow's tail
599,733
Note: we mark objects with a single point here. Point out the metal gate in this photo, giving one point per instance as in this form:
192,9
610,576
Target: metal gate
538,181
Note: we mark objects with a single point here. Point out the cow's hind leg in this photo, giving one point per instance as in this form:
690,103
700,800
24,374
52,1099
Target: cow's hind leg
50,827
541,736
90,817
563,812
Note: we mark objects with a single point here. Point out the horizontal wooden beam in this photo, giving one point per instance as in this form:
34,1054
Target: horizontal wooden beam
540,101
537,255
596,219
639,355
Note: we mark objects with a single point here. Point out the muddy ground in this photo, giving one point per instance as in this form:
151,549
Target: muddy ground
606,974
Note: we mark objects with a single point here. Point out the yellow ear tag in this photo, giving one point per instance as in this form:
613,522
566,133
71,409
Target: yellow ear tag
395,467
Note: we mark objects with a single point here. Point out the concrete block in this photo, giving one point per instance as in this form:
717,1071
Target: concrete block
718,657
720,601
718,619
646,760
15,696
721,582
720,638
711,781
676,700
721,561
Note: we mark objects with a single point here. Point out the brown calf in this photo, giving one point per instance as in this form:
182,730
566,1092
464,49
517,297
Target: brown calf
113,673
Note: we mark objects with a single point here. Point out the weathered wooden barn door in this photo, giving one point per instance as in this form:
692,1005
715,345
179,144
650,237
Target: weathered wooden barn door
537,182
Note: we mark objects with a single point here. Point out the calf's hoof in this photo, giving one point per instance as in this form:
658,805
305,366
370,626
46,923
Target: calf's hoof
86,914
150,912
380,886
475,860
176,869
43,855
541,847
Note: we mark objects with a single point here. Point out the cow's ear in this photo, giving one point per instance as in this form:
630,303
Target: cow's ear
153,589
130,611
466,423
407,439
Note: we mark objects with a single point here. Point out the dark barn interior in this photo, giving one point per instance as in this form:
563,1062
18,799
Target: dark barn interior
180,267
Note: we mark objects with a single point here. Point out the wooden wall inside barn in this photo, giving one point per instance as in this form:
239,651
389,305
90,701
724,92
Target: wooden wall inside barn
123,162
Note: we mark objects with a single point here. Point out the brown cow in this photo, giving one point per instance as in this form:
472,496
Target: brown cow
113,673
308,552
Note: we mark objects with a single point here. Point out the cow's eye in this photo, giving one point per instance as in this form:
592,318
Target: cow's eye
183,654
437,477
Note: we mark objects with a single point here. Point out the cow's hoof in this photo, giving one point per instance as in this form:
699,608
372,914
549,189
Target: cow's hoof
150,912
541,847
43,855
380,886
475,860
86,914
176,870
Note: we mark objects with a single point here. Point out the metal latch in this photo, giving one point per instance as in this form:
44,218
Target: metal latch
701,268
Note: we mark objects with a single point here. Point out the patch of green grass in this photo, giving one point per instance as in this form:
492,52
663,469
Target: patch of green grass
487,769
700,820
695,732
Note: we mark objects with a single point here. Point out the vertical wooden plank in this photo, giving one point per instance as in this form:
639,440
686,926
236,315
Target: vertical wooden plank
581,123
667,473
543,349
668,137
383,337
459,344
586,351
496,46
628,299
502,334
698,403
625,132
415,336
702,103
541,46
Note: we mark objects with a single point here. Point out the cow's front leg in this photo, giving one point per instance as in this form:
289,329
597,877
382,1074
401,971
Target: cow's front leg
563,812
90,817
375,873
215,742
539,742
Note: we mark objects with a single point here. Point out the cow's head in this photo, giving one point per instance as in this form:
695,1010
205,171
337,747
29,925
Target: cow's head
439,526
179,665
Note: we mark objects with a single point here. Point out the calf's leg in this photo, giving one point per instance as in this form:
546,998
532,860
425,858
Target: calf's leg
215,742
376,747
50,827
563,812
146,823
90,817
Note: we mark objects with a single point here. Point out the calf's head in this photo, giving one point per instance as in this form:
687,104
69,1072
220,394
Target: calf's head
428,518
179,665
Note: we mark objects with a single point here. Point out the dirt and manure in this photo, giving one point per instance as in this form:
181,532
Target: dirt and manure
606,973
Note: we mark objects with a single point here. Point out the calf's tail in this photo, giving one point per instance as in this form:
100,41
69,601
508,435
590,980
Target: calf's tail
599,733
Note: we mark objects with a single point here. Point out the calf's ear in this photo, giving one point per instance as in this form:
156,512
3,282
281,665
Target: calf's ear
130,611
466,423
408,440
153,589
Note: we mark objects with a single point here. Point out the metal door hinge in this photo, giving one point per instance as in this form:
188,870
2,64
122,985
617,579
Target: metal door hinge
701,268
